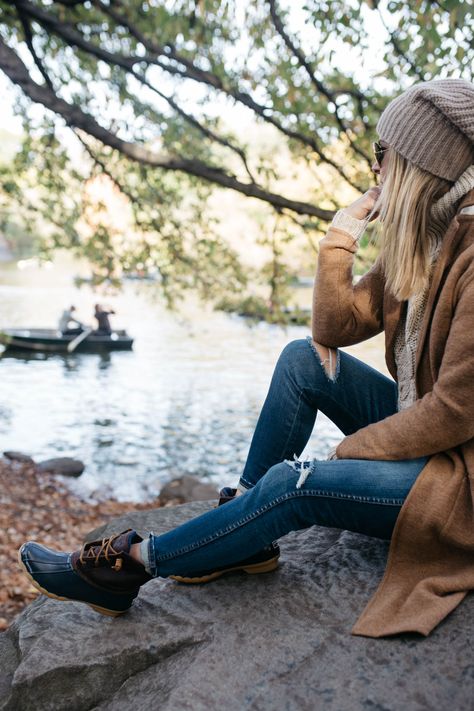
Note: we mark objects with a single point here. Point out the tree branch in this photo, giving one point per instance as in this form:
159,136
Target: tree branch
29,43
73,37
396,46
71,3
74,116
318,85
212,80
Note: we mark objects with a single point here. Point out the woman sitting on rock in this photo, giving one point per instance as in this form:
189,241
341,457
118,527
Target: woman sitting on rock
405,469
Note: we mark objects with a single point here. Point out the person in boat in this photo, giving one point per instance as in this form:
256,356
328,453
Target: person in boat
404,471
68,324
103,322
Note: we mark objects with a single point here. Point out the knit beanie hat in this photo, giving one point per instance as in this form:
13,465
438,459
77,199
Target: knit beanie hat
432,125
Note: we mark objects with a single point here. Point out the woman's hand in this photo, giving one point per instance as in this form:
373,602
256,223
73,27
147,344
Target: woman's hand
361,208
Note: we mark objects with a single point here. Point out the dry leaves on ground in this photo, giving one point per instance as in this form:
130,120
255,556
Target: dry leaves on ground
38,506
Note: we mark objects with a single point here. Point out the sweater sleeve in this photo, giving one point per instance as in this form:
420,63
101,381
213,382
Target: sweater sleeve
441,419
344,313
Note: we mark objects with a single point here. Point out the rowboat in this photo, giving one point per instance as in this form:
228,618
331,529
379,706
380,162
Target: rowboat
52,341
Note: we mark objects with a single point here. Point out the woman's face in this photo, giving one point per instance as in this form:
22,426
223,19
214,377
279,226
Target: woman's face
380,168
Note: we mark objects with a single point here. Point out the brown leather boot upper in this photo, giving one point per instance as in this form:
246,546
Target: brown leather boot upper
108,564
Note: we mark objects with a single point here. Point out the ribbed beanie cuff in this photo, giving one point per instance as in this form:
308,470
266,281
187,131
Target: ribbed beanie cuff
432,125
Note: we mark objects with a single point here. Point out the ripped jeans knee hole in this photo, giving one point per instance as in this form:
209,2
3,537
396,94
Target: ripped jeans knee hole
328,358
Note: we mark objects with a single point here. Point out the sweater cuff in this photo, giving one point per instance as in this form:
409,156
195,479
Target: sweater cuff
343,221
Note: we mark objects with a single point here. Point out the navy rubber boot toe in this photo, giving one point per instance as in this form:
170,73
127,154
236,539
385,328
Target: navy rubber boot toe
52,573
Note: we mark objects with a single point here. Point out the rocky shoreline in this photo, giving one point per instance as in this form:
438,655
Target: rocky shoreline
35,505
268,642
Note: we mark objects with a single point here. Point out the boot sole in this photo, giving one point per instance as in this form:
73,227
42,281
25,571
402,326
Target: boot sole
97,608
266,567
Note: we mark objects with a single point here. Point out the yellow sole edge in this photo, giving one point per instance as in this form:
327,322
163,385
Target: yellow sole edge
266,567
97,608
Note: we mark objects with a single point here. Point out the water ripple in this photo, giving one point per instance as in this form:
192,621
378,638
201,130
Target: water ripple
185,400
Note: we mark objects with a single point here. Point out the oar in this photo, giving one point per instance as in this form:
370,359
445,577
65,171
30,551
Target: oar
78,339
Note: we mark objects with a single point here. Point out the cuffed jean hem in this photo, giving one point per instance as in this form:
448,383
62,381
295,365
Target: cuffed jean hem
145,553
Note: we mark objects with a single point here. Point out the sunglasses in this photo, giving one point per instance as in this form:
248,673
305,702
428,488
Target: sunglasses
379,151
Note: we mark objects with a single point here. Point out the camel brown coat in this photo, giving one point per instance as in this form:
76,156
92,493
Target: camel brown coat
430,566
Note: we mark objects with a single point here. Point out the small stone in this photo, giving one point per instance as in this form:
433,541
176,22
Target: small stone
18,457
62,465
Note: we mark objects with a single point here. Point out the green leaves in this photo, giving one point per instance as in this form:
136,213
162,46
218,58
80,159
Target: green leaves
205,84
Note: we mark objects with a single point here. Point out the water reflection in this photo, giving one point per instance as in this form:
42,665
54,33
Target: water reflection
70,363
185,400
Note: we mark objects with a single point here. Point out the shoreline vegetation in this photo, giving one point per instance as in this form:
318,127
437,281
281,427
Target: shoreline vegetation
256,309
37,506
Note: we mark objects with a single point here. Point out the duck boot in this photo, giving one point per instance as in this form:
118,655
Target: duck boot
265,561
102,574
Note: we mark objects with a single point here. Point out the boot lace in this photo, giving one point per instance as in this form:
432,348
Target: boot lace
105,549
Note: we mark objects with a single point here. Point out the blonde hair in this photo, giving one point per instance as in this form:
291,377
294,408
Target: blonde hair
409,234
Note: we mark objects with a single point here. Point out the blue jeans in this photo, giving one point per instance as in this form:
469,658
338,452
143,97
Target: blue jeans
364,496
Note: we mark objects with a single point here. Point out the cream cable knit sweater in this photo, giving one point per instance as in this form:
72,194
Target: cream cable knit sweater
406,340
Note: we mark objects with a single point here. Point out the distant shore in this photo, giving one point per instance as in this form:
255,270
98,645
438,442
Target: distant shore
37,506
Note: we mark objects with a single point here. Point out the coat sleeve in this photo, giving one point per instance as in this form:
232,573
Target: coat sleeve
344,313
444,417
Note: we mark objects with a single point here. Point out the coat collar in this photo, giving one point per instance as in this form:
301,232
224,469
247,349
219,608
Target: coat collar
392,315
445,259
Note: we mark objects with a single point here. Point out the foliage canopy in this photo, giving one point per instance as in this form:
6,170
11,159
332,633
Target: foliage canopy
163,94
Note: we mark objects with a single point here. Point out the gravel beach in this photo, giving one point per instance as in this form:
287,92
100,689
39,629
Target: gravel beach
37,506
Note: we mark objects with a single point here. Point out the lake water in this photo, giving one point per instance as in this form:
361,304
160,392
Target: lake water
185,400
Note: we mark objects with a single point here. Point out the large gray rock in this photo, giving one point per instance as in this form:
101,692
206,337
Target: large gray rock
273,642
